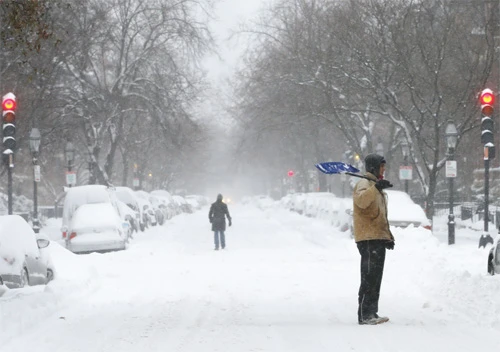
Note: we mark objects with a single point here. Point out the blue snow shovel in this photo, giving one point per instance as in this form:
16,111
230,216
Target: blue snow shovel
338,167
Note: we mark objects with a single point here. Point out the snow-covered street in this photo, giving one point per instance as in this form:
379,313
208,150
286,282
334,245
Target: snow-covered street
285,283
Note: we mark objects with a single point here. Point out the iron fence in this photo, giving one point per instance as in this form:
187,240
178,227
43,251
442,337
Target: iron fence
465,210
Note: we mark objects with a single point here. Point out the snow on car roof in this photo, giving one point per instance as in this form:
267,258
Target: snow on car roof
125,209
16,238
88,194
126,195
402,208
162,193
100,215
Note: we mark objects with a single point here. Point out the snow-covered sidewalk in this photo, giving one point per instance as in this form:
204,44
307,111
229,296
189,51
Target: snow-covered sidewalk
285,283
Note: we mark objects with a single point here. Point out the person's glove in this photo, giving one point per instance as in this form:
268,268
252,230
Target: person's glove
230,223
382,184
390,245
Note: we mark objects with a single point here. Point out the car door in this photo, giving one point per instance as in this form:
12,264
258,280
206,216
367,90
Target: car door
34,262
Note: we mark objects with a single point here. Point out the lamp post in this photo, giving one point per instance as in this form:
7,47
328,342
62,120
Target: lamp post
451,134
405,149
35,139
69,151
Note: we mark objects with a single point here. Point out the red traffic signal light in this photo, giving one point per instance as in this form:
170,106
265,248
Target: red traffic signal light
9,104
487,99
291,173
9,121
9,108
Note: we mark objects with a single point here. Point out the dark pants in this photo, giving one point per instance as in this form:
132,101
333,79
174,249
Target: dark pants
372,267
222,239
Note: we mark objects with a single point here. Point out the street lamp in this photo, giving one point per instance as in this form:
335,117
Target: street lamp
35,138
405,149
451,135
69,151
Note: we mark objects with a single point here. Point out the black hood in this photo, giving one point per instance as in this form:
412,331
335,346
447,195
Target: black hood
373,162
219,197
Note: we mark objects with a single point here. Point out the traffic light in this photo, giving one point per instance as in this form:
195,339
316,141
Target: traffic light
9,121
291,173
487,100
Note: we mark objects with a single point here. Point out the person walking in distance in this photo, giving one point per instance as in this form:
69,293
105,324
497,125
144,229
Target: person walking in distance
372,235
217,216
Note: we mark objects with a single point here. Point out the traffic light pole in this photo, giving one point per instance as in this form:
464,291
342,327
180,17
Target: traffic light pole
487,101
451,216
35,207
486,192
9,139
10,166
485,237
36,222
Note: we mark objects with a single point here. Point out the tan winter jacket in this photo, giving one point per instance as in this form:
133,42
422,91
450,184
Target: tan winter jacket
370,211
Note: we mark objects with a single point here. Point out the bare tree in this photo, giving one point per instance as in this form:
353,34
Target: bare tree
397,69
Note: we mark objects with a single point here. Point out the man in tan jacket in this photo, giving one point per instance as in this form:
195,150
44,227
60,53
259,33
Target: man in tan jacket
372,235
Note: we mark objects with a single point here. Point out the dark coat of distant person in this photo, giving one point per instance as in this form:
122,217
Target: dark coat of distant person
217,215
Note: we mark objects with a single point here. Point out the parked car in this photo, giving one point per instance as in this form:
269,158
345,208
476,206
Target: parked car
128,196
88,194
130,216
24,259
156,203
402,211
194,201
494,258
149,213
183,204
96,228
201,200
168,205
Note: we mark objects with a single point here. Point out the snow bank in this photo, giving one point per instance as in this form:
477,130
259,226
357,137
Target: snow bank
21,309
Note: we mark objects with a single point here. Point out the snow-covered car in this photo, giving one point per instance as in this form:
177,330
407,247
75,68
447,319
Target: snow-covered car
148,211
23,258
494,258
128,196
157,208
96,228
168,206
149,215
88,194
263,201
298,202
128,215
193,202
201,200
183,204
402,211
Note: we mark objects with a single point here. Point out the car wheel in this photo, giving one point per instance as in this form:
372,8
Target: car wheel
491,268
50,275
25,279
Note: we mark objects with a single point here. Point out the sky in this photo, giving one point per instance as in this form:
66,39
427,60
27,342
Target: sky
220,68
285,283
229,15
